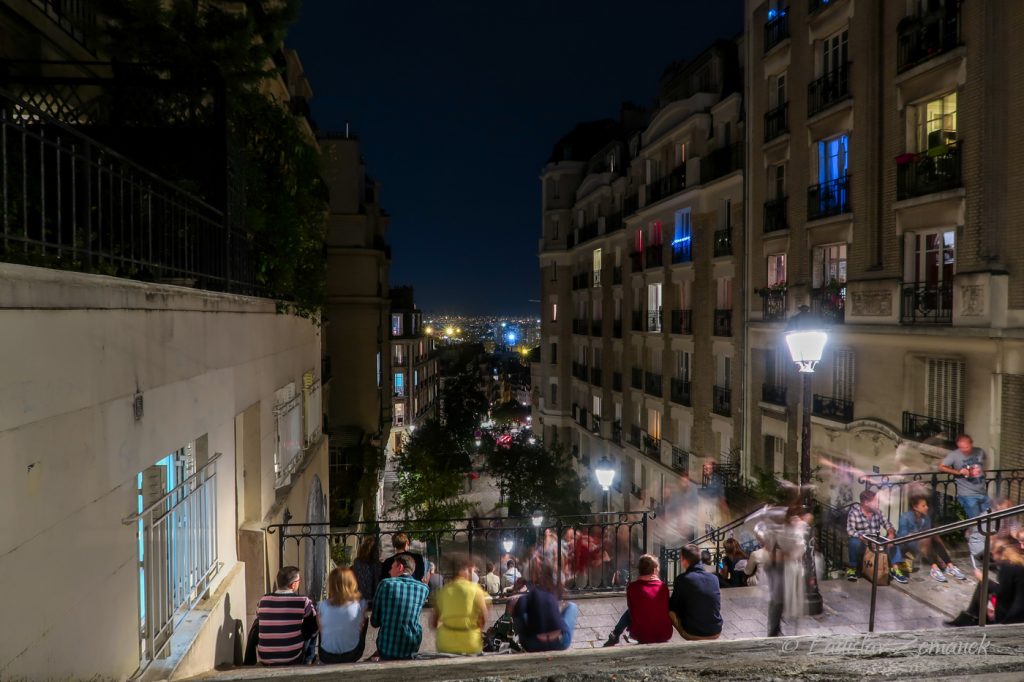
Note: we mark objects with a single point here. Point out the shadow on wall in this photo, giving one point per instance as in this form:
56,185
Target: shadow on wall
230,639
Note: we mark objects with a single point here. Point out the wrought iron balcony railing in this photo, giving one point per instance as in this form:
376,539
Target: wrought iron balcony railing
617,381
667,185
617,432
634,436
579,326
654,320
771,393
595,424
775,217
637,378
833,87
837,409
723,242
653,255
682,251
776,122
927,303
723,322
830,303
720,162
595,376
936,170
682,321
613,222
680,459
617,274
652,446
773,305
921,428
653,384
776,29
828,198
924,36
721,401
586,233
680,392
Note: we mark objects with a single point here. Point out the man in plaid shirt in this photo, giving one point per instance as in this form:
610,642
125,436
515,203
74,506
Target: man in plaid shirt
866,519
396,611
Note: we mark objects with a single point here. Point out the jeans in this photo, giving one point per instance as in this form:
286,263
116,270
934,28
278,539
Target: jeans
623,623
930,550
974,505
530,642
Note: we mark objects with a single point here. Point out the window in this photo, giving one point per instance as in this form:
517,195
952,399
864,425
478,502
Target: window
725,214
554,312
833,158
724,293
654,423
399,384
683,365
829,265
399,418
597,311
777,91
399,355
945,389
597,407
776,362
654,307
777,181
597,267
554,353
639,241
681,236
396,324
834,52
776,269
724,377
680,153
554,394
937,123
934,257
655,233
842,373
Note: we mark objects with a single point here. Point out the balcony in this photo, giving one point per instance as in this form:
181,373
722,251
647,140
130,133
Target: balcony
652,385
654,318
720,162
682,251
723,242
776,29
586,233
723,322
613,222
776,122
638,321
922,37
617,329
836,409
635,490
596,327
595,424
580,281
682,321
630,204
637,378
652,446
634,436
936,170
773,304
832,88
579,371
653,255
828,198
829,303
636,261
774,395
617,381
667,185
927,303
775,217
617,432
579,326
680,460
922,428
680,392
582,415
721,401
617,274
595,376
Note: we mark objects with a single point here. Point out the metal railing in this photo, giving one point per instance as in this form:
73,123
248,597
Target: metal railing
775,217
579,326
773,394
596,327
682,321
652,446
654,320
77,18
922,428
776,122
713,541
721,161
682,251
617,432
776,29
935,170
988,524
667,185
634,436
652,384
927,303
773,305
680,392
828,198
829,303
837,409
722,401
680,459
723,242
179,558
723,322
831,88
614,541
69,202
617,329
922,37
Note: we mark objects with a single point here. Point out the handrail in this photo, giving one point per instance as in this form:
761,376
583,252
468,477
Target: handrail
271,528
717,533
877,544
128,520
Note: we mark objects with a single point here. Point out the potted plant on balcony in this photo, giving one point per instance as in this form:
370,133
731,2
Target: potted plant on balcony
833,295
777,289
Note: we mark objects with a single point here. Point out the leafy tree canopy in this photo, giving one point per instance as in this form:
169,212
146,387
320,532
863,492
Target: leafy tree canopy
431,469
531,477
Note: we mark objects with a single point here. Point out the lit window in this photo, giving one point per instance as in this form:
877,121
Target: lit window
396,324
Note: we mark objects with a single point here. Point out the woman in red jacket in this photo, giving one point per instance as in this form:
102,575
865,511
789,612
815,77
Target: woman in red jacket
647,612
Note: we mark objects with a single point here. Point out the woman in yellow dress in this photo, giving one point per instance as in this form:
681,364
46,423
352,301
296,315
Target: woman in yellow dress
459,611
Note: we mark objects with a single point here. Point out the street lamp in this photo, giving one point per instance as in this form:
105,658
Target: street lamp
806,339
605,476
537,518
507,545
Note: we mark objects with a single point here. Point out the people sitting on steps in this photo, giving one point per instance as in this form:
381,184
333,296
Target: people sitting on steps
866,519
460,608
541,624
930,550
646,614
695,606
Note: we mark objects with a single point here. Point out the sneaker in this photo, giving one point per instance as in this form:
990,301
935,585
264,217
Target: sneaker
955,572
963,619
851,575
612,640
898,575
938,575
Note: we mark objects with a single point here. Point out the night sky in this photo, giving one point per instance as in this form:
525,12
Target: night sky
458,104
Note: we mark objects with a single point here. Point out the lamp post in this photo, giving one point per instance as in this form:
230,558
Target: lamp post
537,518
605,476
507,545
806,339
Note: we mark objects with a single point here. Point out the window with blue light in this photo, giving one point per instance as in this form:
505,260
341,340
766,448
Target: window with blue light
681,237
399,383
833,158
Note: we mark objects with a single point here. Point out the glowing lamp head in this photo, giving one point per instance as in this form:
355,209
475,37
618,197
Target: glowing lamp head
537,518
449,331
806,340
507,544
605,473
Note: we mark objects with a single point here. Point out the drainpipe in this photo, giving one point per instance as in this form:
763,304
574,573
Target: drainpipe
746,241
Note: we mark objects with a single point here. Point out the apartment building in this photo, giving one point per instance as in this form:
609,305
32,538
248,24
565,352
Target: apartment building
415,380
642,283
880,179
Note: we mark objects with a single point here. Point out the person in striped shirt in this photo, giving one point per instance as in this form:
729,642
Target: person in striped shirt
287,622
396,611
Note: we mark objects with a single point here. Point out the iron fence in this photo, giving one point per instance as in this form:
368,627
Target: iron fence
927,303
935,170
832,87
586,553
922,37
776,29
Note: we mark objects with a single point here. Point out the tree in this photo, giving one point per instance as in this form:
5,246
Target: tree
431,470
464,403
532,478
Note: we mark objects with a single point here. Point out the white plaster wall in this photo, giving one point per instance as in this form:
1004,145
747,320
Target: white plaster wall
73,350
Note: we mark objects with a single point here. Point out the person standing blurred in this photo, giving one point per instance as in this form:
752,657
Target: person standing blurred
459,611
